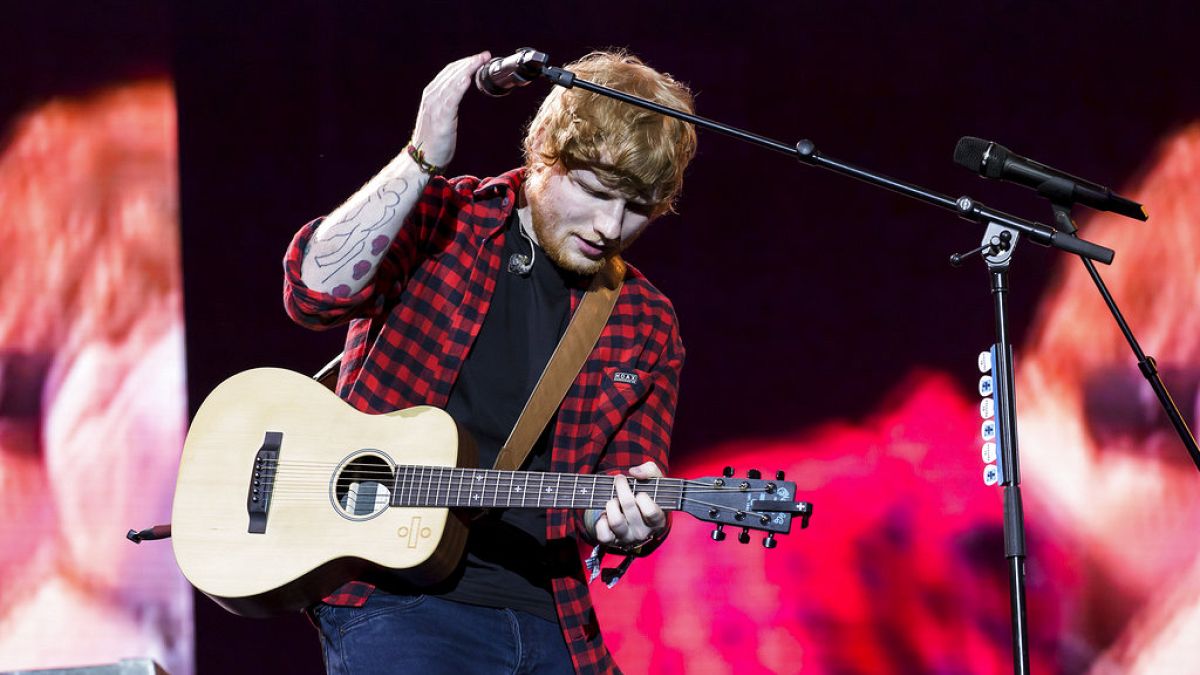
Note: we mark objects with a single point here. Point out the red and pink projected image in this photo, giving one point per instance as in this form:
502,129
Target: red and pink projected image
92,399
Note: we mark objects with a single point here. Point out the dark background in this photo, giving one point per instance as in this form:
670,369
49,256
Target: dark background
802,295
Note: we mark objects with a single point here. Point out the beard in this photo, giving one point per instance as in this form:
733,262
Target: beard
557,246
555,239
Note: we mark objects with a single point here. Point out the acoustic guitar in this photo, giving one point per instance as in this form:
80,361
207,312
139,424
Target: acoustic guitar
285,492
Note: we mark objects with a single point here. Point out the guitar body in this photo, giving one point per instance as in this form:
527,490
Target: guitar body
300,537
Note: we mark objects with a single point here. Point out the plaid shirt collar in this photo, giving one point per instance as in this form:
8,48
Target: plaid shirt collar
506,185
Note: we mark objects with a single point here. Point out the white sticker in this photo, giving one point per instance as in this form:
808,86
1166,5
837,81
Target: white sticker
988,430
989,452
987,408
991,475
985,385
985,362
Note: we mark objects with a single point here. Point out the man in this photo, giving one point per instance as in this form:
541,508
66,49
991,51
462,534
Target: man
457,292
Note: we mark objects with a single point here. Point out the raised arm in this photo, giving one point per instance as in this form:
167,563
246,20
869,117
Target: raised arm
345,251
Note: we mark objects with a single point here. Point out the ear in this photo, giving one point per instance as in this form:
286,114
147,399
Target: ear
539,134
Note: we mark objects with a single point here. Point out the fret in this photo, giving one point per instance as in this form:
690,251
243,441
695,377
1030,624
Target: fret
476,496
403,485
516,490
414,488
525,491
446,480
654,497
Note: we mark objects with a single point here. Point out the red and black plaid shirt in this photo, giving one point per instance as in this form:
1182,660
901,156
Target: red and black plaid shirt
413,326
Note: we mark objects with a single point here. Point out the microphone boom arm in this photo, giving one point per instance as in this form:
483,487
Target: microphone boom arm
806,152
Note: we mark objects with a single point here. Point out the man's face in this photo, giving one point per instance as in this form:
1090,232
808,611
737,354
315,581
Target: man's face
578,221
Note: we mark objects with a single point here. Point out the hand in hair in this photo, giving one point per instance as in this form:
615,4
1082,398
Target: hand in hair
436,131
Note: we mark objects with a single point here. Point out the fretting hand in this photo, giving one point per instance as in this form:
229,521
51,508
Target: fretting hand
629,520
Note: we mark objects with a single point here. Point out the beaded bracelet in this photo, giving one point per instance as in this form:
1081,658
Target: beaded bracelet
418,156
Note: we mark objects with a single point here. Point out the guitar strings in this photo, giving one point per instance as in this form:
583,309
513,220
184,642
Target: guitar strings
672,498
754,521
425,483
434,478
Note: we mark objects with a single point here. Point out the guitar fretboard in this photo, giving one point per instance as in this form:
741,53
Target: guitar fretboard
449,487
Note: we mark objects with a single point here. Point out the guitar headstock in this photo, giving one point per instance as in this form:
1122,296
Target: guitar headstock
751,503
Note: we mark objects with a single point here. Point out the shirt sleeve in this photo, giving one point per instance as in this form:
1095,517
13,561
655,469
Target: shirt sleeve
644,435
427,229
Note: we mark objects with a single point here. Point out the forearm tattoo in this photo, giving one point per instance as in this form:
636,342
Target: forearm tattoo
348,239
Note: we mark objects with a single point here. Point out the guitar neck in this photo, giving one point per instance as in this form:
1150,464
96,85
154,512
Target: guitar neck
449,487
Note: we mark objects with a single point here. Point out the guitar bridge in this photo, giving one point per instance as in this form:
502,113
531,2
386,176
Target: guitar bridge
262,481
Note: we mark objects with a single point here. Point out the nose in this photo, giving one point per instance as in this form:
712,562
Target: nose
609,220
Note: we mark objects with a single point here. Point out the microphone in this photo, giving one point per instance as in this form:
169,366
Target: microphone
520,264
993,160
500,76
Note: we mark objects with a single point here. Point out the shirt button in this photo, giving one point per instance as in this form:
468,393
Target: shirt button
505,202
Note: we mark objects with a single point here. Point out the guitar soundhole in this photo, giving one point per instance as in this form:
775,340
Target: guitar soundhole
361,485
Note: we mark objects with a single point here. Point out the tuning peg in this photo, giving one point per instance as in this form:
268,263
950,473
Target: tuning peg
744,536
779,475
769,541
727,472
719,533
754,474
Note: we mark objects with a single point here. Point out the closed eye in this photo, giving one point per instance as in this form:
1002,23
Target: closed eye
640,209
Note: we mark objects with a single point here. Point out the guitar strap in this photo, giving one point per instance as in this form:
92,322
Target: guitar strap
583,331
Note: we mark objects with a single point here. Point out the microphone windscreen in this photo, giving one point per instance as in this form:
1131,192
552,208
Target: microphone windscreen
969,152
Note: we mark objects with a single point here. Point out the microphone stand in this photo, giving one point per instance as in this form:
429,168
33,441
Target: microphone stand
1146,364
1003,232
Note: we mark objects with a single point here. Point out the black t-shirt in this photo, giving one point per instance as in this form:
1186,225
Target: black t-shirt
506,562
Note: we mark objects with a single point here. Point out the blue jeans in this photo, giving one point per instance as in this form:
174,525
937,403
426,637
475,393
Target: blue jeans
427,635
